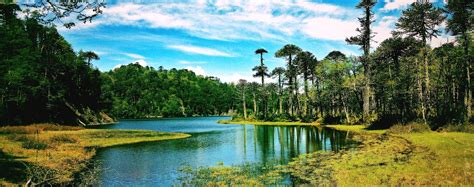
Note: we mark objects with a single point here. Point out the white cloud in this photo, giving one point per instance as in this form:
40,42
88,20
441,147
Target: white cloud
198,70
131,55
235,77
140,62
233,19
191,62
199,50
397,4
329,28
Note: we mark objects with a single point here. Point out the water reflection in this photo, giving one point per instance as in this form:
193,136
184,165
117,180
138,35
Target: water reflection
287,142
157,163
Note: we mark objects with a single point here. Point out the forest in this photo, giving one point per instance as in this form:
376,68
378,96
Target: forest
44,80
399,113
403,80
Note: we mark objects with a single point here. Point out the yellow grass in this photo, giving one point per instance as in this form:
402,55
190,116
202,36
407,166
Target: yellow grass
68,148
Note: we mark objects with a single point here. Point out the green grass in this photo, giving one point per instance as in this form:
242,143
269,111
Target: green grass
428,158
272,123
66,150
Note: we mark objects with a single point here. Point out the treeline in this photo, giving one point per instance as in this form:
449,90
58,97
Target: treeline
145,92
403,80
41,78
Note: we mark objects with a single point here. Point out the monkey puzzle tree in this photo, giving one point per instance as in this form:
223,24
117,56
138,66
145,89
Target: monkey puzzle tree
421,20
289,52
242,83
279,73
262,71
459,24
305,61
363,40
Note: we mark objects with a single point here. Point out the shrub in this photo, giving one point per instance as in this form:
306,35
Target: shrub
409,128
33,143
63,139
329,119
18,130
469,128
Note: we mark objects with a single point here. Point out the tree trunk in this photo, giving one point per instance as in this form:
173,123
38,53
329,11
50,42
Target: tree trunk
468,77
244,107
427,80
290,89
263,89
420,92
254,105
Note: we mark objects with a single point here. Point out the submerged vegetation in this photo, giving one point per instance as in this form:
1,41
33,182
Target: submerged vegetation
60,152
421,157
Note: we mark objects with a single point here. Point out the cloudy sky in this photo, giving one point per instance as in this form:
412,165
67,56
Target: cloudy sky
218,38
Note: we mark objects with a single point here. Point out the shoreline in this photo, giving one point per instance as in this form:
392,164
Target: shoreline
269,123
64,150
387,158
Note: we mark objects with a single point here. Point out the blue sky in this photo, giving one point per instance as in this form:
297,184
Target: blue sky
218,38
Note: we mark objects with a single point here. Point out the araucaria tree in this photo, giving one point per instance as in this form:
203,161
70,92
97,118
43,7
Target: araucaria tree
262,71
363,40
460,21
279,73
421,20
289,52
306,65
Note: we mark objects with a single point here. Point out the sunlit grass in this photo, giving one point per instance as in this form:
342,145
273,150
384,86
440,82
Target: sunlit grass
66,149
429,158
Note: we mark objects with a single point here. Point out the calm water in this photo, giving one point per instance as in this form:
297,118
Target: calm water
156,163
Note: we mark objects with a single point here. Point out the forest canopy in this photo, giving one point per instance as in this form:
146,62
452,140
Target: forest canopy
44,80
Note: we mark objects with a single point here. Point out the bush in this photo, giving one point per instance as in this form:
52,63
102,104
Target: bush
19,130
36,128
63,139
409,128
33,143
329,119
469,128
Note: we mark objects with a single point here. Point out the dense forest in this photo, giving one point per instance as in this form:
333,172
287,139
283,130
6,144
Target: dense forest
44,80
401,81
143,92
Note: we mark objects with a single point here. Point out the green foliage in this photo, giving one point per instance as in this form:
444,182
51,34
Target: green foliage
41,77
469,128
247,174
412,127
144,92
34,143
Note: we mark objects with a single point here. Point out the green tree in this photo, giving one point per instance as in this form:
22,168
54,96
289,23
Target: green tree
459,24
363,40
241,85
279,73
421,20
306,61
289,52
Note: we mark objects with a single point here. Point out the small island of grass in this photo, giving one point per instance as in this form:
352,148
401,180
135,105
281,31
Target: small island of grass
58,153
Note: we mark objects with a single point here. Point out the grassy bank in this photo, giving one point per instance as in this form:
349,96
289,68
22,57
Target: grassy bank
276,123
383,158
60,151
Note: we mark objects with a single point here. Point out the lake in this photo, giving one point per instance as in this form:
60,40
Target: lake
157,163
